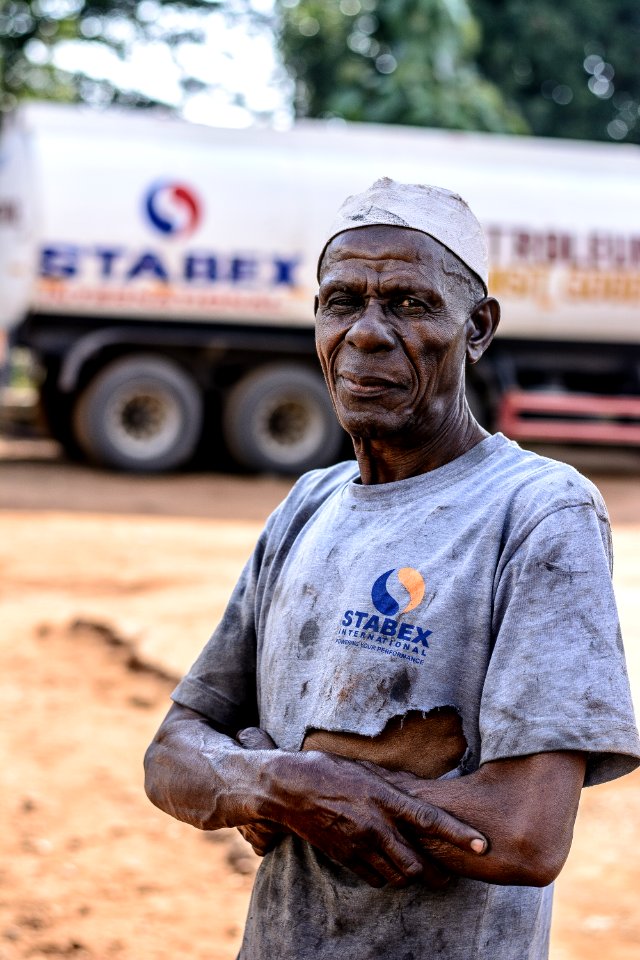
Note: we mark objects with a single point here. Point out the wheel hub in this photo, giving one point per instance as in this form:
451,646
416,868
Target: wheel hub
288,423
144,422
142,416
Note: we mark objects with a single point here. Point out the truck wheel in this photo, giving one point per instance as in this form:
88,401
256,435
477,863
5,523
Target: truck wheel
141,413
279,418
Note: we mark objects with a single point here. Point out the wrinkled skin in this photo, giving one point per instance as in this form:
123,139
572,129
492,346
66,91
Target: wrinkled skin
398,316
396,320
387,827
345,809
263,835
527,805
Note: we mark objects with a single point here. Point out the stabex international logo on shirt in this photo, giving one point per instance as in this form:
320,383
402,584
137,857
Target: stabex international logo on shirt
386,631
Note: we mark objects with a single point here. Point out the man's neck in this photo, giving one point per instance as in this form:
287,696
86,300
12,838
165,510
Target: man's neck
386,460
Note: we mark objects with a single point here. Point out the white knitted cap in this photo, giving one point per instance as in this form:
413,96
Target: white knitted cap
432,210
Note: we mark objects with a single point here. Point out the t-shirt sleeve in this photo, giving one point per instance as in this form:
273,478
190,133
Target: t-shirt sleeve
557,677
221,684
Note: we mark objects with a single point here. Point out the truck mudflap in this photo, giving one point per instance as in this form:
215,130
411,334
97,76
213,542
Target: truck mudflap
569,417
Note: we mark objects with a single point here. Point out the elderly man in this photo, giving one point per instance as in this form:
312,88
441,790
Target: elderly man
420,666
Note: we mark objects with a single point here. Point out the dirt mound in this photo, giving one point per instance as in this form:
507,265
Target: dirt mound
91,869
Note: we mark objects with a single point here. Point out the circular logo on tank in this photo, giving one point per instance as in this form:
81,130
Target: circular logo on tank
173,208
392,587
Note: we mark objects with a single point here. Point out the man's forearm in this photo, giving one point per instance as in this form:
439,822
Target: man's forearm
525,806
207,779
201,776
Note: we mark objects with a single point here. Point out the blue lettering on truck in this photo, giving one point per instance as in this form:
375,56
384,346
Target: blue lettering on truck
174,210
60,262
64,262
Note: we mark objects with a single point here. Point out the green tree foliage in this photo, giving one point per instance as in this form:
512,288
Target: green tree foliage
32,30
555,69
570,68
391,61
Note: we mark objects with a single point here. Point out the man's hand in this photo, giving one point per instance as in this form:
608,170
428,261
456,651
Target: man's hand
527,806
204,777
375,869
356,818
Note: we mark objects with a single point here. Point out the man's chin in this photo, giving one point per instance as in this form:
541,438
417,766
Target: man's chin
367,427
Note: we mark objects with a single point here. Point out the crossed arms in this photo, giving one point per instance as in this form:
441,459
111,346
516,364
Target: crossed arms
510,822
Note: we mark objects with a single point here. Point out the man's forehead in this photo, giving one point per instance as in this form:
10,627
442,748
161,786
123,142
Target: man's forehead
381,247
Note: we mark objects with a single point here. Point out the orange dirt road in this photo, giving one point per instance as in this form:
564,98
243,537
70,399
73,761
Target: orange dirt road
110,587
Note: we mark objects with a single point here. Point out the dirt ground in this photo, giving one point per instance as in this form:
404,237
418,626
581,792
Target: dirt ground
110,586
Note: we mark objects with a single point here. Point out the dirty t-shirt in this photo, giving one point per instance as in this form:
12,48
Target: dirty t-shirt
483,586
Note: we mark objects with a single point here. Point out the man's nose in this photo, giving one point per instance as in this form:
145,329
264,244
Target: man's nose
371,331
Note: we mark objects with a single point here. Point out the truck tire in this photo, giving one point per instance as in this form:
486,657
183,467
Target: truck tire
140,414
279,418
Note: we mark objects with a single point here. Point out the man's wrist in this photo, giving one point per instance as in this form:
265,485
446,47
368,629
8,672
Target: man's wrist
278,773
256,786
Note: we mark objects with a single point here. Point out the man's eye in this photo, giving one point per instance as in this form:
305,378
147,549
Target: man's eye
344,302
410,305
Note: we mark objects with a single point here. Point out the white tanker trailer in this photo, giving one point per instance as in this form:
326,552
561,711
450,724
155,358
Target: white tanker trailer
162,276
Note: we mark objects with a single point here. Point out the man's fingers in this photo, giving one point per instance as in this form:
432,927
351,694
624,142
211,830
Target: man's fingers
401,858
377,871
397,778
251,835
433,822
394,875
259,846
262,836
433,876
401,781
253,738
366,872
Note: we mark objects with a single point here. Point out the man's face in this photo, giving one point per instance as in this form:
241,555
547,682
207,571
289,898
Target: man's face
392,325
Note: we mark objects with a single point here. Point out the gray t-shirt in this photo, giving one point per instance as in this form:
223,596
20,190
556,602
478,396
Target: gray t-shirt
484,585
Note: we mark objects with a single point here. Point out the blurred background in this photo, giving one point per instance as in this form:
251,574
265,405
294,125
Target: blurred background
168,174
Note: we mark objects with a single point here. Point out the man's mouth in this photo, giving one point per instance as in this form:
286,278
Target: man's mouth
366,385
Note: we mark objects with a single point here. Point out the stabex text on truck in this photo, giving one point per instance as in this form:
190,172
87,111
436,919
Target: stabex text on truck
162,275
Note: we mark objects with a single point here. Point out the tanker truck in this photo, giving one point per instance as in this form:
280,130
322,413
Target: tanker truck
161,276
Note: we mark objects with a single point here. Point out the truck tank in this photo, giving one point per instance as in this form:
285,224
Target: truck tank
165,274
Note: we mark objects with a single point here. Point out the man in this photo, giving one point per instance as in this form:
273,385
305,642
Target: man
420,666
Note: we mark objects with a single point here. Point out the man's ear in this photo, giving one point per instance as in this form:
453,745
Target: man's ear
482,325
316,304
